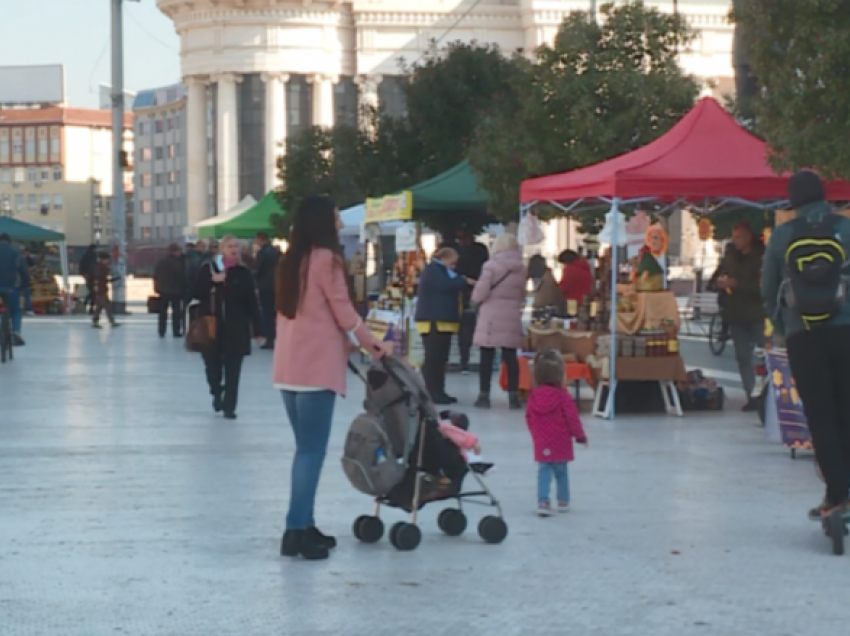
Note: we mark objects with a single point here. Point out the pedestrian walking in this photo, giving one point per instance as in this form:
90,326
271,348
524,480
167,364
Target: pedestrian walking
314,317
438,317
266,266
102,302
554,423
13,272
804,285
226,290
86,268
29,263
499,296
744,308
169,281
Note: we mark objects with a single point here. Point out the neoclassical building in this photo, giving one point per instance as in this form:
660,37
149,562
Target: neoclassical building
257,71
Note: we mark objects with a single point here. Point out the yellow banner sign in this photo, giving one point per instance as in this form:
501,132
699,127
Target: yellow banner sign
394,207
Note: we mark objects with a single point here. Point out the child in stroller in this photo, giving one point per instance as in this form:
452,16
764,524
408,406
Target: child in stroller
407,455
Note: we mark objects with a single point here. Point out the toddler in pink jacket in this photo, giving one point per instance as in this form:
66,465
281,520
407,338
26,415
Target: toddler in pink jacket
554,422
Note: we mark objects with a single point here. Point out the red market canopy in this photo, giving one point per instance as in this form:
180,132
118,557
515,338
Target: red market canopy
707,155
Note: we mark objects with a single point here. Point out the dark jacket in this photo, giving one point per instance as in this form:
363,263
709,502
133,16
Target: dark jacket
267,259
786,321
744,304
236,308
169,278
88,263
193,261
102,277
439,294
13,270
470,262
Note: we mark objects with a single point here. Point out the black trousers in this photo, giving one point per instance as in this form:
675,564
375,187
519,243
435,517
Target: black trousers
464,336
91,296
820,364
269,314
102,303
223,371
176,304
437,346
485,372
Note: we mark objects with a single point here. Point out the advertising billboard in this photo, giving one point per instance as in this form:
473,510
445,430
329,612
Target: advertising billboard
26,85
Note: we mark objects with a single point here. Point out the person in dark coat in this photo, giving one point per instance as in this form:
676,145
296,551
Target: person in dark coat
438,317
471,256
225,288
169,282
102,302
87,266
267,258
13,273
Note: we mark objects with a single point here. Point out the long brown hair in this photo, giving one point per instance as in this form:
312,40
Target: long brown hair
314,226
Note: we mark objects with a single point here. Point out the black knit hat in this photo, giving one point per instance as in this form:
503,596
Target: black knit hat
805,187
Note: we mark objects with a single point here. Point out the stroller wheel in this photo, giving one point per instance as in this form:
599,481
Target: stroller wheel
493,529
405,536
452,522
368,529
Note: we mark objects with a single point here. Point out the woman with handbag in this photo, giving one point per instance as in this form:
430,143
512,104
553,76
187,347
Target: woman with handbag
499,295
315,316
228,311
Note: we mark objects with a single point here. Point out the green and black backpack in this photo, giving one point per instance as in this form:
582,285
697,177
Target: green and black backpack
815,287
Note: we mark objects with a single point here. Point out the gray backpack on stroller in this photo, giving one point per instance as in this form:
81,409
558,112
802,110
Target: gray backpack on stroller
379,441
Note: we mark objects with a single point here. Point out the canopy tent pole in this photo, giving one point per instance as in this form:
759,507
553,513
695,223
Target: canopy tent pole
63,260
612,356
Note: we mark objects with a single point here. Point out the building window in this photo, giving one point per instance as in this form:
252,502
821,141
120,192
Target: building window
159,179
146,181
45,203
391,96
251,109
171,151
30,149
160,206
299,105
54,146
172,177
158,126
17,147
57,201
146,207
346,96
19,175
32,202
146,233
4,150
42,147
159,153
19,202
32,175
171,205
170,123
57,173
142,128
146,154
45,174
6,175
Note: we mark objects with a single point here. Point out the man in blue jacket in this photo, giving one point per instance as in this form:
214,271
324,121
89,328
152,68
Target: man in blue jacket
818,350
13,275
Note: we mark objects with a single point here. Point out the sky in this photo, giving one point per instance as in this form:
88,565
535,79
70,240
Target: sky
76,33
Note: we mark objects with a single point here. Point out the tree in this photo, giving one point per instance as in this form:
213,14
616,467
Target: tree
800,52
600,90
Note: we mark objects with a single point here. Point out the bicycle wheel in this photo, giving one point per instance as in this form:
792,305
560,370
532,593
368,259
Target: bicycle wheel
5,337
716,341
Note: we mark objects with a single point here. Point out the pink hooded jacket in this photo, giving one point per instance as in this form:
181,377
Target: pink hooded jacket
554,422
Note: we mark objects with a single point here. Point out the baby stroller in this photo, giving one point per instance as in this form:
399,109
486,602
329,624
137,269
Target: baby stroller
396,453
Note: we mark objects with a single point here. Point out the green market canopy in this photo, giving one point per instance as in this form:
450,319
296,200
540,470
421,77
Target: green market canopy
27,233
453,191
245,224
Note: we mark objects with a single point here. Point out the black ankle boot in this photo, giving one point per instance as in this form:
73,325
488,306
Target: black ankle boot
322,539
302,543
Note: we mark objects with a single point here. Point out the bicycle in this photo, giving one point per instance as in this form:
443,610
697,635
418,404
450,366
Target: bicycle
716,337
7,336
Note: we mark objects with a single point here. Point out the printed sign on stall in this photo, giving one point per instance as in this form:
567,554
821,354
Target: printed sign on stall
793,427
394,207
405,238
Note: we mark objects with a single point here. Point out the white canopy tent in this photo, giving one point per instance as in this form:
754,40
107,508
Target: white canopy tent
245,204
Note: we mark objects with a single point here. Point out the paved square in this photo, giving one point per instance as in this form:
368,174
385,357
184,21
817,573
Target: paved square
128,507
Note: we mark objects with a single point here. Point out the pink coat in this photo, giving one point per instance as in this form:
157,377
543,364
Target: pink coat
554,422
464,440
500,294
312,349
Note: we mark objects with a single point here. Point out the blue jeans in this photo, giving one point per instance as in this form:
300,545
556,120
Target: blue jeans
12,299
310,413
545,473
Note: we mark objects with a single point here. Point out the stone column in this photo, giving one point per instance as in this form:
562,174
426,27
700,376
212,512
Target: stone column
227,141
323,99
275,124
196,153
368,92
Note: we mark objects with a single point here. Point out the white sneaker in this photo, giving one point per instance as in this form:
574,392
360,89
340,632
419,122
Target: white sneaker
563,506
544,509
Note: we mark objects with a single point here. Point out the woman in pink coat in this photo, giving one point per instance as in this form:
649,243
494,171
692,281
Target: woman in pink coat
499,296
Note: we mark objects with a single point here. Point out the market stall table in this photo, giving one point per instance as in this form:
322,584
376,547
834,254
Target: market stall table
574,373
666,370
652,311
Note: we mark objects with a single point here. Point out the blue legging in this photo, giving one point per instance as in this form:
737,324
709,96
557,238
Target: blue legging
310,413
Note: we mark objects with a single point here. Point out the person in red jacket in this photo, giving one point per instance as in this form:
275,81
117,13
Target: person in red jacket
576,279
554,423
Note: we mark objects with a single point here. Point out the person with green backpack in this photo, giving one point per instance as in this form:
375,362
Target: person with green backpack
804,284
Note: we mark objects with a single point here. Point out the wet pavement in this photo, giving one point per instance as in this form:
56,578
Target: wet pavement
128,507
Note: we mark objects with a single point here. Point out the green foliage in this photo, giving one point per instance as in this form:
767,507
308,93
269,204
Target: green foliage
800,52
599,91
